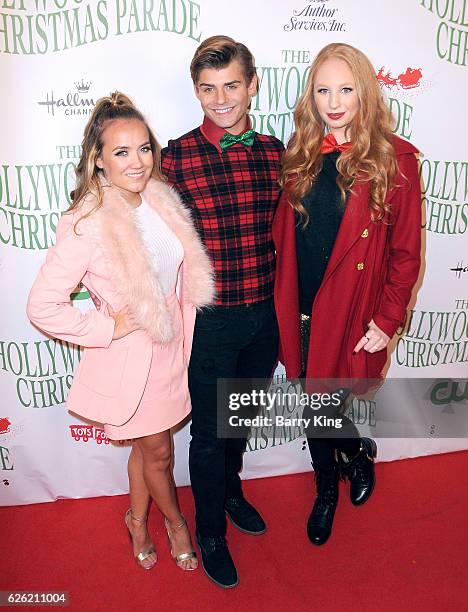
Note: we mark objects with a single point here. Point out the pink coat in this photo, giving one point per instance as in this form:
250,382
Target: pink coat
107,254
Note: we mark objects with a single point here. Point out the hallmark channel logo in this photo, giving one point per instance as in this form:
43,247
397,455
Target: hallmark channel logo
72,103
459,269
82,87
316,15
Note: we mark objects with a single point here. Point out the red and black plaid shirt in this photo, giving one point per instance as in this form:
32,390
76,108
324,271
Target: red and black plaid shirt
233,196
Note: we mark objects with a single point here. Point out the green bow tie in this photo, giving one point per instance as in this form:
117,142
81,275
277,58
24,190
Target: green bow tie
247,139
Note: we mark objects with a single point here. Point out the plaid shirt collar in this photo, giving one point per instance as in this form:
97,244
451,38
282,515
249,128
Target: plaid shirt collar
214,133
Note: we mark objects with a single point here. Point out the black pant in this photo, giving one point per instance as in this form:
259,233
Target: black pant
323,444
229,342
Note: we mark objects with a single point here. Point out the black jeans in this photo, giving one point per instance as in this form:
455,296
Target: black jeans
324,444
229,342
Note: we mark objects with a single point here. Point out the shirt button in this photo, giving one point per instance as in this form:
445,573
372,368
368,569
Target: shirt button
360,265
365,233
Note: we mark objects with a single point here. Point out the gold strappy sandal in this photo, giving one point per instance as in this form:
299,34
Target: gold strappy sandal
141,557
185,556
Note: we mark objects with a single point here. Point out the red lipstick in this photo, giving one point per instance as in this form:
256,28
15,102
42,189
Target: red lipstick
335,116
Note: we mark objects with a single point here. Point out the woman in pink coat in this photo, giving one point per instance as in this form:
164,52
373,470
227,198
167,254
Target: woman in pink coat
347,233
130,241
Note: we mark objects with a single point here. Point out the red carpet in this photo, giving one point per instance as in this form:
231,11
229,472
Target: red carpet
401,551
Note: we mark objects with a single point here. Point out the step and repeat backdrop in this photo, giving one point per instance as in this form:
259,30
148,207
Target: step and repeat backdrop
57,57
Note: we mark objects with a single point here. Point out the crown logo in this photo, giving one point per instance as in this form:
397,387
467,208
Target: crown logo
83,87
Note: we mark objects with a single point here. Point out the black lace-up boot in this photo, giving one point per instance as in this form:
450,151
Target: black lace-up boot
320,521
360,472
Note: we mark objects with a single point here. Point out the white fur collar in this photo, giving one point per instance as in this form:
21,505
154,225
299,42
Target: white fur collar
114,226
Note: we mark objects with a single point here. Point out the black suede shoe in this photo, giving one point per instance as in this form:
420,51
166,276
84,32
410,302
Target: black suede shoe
217,561
360,472
319,525
244,516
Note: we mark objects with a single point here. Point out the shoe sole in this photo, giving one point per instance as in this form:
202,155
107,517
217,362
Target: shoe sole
220,584
242,529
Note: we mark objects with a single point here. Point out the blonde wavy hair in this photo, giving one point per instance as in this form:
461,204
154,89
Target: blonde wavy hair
88,175
370,158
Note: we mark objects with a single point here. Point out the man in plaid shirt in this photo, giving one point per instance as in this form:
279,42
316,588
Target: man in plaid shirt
227,174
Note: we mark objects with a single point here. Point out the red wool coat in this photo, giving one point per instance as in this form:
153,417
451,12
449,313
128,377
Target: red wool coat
370,275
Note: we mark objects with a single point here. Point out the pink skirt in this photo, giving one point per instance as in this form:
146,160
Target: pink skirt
165,400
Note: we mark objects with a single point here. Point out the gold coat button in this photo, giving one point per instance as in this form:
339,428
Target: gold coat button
365,233
360,265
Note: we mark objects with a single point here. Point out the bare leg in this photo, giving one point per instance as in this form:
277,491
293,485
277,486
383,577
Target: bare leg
139,494
139,500
156,453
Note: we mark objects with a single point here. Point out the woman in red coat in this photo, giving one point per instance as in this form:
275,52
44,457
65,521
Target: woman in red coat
347,233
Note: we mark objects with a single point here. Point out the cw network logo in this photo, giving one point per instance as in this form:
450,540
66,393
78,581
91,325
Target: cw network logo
459,268
72,102
446,392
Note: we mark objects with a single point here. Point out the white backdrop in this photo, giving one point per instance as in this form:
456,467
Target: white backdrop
59,56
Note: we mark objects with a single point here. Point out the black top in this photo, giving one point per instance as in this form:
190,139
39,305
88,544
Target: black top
314,244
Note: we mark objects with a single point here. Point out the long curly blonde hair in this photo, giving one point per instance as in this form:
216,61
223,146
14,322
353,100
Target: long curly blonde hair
88,175
370,158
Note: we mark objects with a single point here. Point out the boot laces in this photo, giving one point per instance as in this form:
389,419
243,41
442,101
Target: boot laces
326,489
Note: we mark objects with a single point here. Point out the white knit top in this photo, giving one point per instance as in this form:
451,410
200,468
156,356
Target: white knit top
165,248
